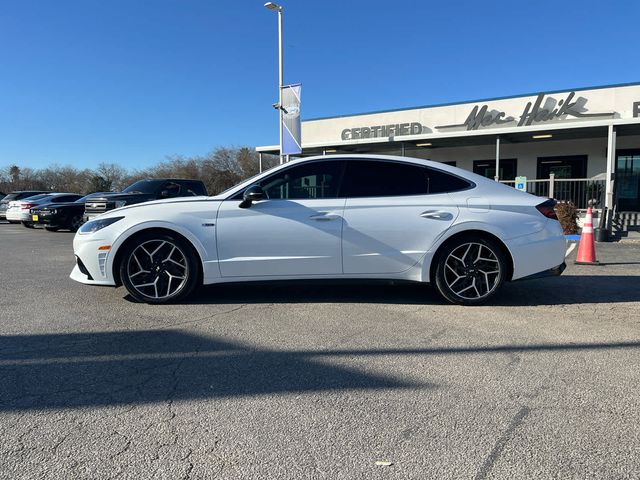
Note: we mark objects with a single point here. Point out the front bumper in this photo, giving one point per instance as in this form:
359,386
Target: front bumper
92,265
47,219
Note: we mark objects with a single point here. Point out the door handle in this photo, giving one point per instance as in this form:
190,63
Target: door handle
324,217
437,215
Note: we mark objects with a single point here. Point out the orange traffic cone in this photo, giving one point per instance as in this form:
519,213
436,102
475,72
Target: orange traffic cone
587,248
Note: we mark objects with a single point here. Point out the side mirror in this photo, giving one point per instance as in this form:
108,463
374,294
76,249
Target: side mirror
164,194
252,194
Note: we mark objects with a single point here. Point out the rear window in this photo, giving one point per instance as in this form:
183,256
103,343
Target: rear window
36,197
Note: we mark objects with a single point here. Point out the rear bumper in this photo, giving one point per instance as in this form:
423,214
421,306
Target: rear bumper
18,216
552,272
539,252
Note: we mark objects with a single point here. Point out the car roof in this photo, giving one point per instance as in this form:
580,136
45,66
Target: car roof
466,174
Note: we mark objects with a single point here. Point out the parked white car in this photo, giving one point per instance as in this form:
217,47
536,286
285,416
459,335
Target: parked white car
18,210
332,217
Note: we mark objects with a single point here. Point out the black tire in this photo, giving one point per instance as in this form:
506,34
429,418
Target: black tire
13,221
151,276
28,224
76,222
51,229
476,265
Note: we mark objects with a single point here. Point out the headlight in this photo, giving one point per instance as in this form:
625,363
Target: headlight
53,211
98,224
120,203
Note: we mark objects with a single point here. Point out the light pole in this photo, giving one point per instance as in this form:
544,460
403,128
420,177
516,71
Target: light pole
278,8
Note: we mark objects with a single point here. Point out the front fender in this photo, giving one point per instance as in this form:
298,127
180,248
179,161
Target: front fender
205,255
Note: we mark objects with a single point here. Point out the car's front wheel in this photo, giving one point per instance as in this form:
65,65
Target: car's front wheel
470,270
159,268
75,223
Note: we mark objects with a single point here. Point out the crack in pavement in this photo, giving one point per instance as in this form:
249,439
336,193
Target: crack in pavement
497,449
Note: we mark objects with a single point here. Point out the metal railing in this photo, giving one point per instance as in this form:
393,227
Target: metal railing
583,192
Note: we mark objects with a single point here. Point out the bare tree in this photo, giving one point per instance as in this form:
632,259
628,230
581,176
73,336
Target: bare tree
220,169
113,174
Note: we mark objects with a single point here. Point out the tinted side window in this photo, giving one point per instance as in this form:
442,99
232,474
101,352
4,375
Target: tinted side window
390,179
443,182
312,181
384,179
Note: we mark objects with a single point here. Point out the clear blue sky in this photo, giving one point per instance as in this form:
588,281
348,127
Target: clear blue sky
131,81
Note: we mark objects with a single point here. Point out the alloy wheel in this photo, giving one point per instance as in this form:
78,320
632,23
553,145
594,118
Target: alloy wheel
472,271
157,269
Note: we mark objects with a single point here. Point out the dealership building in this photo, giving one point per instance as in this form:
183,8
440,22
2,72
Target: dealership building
581,145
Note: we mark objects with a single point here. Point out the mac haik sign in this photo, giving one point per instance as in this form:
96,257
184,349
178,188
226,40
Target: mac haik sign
544,108
534,112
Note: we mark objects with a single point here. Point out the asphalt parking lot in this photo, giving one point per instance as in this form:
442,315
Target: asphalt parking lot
314,380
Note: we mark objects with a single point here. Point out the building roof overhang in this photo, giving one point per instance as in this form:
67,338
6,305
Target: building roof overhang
568,129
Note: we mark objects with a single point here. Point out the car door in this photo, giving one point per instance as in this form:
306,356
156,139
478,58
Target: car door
295,231
393,214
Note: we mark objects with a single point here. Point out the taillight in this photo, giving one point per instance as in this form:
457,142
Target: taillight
547,209
27,206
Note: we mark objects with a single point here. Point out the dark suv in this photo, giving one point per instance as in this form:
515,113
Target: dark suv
13,196
144,191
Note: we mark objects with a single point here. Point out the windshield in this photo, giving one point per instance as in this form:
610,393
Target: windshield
143,186
247,181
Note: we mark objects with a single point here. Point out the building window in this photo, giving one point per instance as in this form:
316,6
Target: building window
628,180
573,166
487,168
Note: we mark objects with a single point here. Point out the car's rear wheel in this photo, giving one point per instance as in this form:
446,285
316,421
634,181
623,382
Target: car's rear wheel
159,268
28,225
470,270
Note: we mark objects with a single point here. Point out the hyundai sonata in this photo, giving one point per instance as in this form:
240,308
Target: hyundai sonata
337,217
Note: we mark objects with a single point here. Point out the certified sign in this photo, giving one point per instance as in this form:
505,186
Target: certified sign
521,184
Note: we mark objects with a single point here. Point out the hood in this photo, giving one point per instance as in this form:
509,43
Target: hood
155,203
112,197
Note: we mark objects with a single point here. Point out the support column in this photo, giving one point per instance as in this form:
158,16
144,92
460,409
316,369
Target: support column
611,158
402,149
497,177
260,161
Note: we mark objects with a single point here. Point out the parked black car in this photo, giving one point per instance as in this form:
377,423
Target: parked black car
144,191
19,195
68,216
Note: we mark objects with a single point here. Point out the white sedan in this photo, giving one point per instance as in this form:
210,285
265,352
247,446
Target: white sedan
333,217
